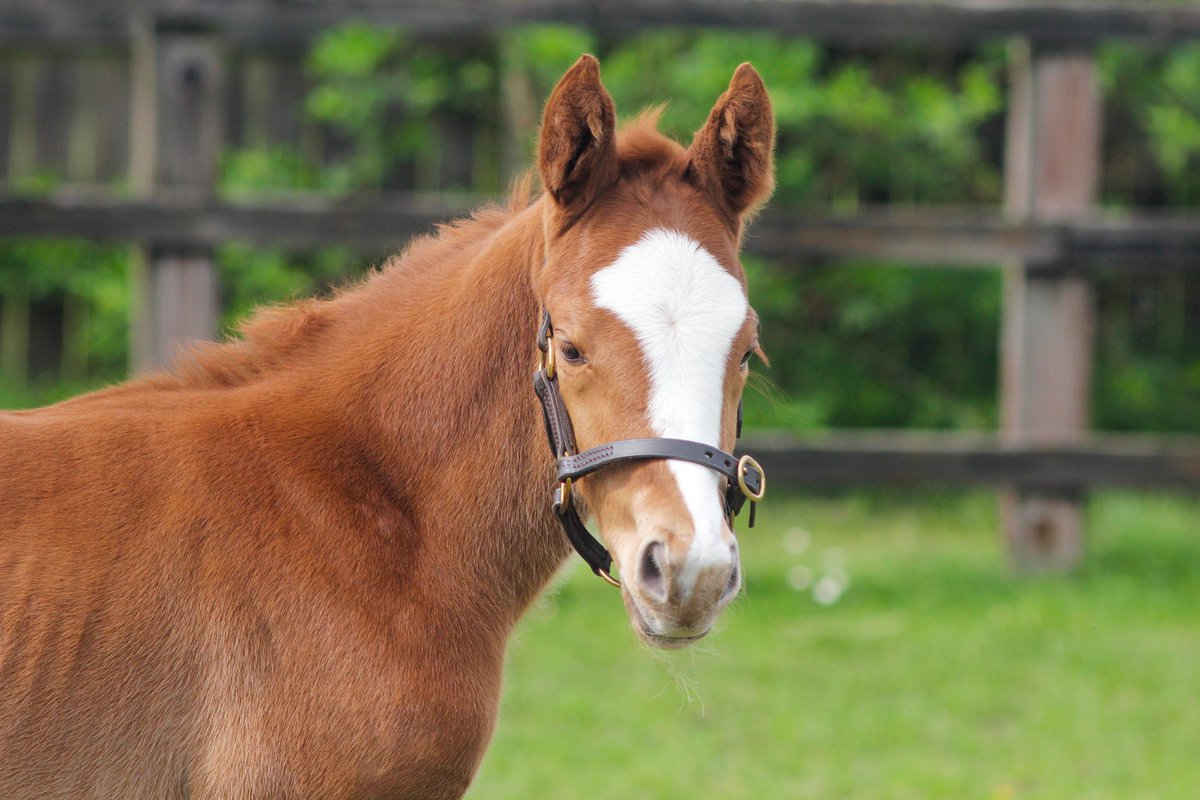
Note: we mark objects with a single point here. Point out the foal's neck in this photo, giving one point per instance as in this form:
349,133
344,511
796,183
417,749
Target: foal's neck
443,364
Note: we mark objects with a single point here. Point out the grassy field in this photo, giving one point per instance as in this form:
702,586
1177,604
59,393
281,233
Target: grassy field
881,650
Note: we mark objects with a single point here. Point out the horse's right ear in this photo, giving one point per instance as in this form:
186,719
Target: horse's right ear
577,151
731,156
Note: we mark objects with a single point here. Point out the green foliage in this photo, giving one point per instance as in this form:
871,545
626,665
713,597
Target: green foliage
385,92
877,346
252,276
1160,94
97,277
1149,365
1148,369
850,129
263,171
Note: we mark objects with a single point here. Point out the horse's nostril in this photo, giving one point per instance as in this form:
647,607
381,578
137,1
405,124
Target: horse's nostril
650,574
734,582
735,575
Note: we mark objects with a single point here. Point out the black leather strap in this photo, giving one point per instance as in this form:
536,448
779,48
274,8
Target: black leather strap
588,547
561,437
559,432
640,449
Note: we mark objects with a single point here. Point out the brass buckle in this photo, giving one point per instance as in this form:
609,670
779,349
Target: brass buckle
609,579
744,463
546,360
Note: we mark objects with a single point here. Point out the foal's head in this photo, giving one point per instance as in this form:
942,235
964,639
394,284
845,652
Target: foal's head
652,327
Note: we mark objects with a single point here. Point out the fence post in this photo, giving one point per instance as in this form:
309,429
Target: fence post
1051,173
177,132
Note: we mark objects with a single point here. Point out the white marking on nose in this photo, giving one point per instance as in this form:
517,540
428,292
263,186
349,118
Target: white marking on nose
685,310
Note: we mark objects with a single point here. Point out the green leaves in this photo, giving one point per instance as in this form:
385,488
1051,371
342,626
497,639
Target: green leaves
851,129
44,271
872,346
384,95
356,50
1159,93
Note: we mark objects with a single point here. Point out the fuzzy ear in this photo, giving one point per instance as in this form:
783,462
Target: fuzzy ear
731,156
577,151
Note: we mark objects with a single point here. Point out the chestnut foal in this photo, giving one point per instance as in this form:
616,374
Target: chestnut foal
289,568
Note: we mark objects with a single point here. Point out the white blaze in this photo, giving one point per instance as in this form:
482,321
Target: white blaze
685,310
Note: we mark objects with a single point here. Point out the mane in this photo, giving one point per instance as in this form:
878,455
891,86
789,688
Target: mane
642,149
276,336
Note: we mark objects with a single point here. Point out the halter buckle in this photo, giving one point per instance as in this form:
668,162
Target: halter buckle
746,463
562,497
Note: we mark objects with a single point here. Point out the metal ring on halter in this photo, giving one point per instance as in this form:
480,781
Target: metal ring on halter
546,359
564,494
609,579
747,462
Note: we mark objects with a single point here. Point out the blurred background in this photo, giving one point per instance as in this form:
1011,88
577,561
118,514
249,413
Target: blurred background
977,572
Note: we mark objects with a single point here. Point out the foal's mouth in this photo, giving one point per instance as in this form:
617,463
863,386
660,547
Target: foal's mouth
663,641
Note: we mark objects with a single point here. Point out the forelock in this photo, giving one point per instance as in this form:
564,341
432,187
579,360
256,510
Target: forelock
644,150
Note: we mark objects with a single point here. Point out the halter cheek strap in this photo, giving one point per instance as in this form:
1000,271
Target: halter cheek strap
745,479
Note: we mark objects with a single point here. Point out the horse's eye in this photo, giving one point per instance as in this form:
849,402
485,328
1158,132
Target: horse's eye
746,358
571,353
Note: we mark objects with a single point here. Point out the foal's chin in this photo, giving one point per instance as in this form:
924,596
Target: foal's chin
660,634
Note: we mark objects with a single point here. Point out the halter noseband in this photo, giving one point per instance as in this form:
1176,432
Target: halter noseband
745,478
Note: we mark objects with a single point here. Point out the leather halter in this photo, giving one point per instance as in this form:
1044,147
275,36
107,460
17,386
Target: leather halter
745,479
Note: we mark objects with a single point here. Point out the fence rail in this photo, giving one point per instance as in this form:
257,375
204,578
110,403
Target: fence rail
943,22
931,236
953,459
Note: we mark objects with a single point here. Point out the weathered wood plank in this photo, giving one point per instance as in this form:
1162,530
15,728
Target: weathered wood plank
83,131
183,114
1168,242
249,96
288,89
6,109
944,22
25,77
955,459
933,237
373,225
53,116
180,304
112,144
945,237
1052,173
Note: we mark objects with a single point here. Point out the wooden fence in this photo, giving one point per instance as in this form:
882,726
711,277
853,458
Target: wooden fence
169,67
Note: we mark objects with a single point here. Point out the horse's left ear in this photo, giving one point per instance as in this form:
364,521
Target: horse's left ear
577,150
731,156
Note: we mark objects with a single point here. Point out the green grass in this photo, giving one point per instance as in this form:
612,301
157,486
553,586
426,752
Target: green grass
936,674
